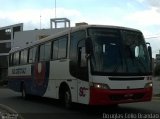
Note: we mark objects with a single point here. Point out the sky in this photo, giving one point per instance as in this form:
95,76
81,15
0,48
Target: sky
139,14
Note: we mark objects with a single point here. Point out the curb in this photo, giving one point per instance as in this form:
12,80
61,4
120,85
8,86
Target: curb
7,112
155,98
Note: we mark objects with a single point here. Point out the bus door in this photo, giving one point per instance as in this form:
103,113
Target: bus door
83,82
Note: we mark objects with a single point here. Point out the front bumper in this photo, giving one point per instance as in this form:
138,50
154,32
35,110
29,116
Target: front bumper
111,97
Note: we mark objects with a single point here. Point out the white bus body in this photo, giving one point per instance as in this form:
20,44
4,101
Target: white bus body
93,65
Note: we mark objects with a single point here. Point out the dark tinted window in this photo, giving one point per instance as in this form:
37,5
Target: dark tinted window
16,58
55,49
42,53
77,52
32,54
60,48
45,50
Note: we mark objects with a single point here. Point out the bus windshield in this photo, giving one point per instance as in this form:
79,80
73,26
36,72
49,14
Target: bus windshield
117,52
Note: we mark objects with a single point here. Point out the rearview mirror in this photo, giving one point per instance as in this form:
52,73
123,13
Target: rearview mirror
149,50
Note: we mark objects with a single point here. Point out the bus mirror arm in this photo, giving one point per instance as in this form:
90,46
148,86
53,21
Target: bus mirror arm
149,48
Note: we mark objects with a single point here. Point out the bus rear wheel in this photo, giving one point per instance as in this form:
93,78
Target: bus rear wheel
23,92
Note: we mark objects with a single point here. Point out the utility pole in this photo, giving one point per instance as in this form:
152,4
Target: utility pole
40,21
55,8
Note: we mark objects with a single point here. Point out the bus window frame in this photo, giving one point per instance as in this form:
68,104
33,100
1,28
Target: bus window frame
26,62
66,48
39,46
35,58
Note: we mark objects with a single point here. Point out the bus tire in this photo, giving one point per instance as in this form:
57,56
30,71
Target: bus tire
23,92
67,99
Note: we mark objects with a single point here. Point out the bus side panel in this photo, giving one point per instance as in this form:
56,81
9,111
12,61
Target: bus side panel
40,76
59,73
83,92
14,84
18,75
17,83
51,90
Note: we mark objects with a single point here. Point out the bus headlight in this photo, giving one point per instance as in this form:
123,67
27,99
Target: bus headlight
148,85
100,86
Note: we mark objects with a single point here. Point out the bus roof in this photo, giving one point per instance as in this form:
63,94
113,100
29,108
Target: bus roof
67,31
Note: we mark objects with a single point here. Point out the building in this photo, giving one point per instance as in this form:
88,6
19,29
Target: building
157,59
13,36
6,42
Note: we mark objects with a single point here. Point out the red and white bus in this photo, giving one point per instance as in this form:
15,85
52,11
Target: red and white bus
89,64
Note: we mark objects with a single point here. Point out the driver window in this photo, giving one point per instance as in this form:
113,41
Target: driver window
83,62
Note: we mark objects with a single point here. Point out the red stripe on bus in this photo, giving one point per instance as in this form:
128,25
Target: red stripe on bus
110,97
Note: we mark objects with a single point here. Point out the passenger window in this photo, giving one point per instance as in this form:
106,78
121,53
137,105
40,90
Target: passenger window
60,48
45,50
32,54
62,52
55,49
16,58
42,53
24,56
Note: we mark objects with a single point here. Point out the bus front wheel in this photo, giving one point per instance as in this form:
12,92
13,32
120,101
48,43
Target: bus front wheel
67,99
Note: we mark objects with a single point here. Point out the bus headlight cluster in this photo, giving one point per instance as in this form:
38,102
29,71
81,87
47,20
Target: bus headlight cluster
100,86
148,85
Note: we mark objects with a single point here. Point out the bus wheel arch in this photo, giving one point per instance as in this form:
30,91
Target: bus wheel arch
65,95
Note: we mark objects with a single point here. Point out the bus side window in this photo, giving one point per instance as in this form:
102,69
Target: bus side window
16,58
42,53
24,57
35,54
47,51
32,54
62,52
60,48
55,50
